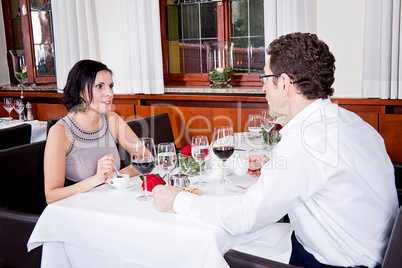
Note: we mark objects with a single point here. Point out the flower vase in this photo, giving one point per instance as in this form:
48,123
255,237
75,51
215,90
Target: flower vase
219,63
188,165
271,138
19,67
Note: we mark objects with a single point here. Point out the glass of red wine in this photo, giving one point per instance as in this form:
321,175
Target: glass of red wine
144,161
223,147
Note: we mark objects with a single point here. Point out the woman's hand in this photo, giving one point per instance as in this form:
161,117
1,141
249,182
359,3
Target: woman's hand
256,162
105,168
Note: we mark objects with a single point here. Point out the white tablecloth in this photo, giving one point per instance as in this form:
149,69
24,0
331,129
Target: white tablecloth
104,228
38,132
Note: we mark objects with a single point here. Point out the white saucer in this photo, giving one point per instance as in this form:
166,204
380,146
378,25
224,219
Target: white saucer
209,173
130,187
233,189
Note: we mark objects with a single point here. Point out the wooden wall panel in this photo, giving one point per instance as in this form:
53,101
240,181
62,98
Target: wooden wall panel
372,119
45,111
390,128
190,121
126,111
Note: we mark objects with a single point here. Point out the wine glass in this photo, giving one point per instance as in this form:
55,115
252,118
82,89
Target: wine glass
167,157
223,146
199,151
269,123
254,124
143,160
9,106
19,108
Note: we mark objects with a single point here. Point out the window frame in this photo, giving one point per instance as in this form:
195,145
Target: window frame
224,30
27,36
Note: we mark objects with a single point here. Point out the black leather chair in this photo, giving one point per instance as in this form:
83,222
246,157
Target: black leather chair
393,255
21,202
392,258
398,180
50,123
237,259
15,136
156,126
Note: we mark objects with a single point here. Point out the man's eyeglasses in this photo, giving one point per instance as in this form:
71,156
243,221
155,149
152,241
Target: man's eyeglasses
263,77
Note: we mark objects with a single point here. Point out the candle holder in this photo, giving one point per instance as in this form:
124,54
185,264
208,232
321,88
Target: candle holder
219,63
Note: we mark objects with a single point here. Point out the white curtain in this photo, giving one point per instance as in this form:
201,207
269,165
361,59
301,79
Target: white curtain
142,46
75,35
287,16
382,60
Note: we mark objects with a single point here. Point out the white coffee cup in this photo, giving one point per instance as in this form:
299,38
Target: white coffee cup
120,182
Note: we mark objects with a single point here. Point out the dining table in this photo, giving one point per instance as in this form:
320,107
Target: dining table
38,128
105,227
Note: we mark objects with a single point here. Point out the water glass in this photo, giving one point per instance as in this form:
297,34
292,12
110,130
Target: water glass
167,157
199,151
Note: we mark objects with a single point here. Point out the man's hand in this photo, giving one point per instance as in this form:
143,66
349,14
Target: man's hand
256,162
164,197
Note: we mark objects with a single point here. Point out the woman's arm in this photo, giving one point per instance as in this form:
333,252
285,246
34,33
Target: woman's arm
57,144
124,136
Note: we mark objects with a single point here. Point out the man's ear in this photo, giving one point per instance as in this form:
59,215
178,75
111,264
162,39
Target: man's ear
286,84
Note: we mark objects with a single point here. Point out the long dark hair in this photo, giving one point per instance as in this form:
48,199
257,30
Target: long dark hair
307,60
80,82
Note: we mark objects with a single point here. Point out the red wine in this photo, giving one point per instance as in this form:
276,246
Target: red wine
144,166
224,152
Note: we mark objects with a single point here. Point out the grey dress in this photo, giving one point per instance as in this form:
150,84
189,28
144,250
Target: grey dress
87,148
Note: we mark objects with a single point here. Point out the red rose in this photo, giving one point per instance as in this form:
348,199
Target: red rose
277,127
186,150
152,181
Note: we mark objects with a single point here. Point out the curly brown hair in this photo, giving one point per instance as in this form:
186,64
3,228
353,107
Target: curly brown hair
306,60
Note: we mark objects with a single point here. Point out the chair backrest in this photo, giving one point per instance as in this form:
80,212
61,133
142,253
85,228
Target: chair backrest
22,177
393,255
15,136
398,180
50,123
156,126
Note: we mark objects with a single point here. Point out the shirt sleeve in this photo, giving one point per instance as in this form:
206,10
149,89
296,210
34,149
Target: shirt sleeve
276,192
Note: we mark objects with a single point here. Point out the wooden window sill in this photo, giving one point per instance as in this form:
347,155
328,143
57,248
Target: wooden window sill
207,90
42,87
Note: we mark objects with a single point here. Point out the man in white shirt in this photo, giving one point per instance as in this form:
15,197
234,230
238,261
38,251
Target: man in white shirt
337,184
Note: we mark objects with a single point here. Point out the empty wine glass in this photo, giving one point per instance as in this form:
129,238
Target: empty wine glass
199,151
143,160
19,108
254,124
269,123
9,106
223,147
167,157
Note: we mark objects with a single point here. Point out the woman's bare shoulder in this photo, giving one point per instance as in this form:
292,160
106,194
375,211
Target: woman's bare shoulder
60,135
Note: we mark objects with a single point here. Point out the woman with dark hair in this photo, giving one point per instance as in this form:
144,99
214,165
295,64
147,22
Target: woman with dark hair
81,149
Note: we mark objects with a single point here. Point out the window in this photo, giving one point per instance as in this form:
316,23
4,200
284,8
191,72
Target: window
187,24
29,34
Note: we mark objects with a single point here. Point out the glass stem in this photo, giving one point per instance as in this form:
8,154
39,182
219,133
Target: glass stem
145,186
201,174
223,167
